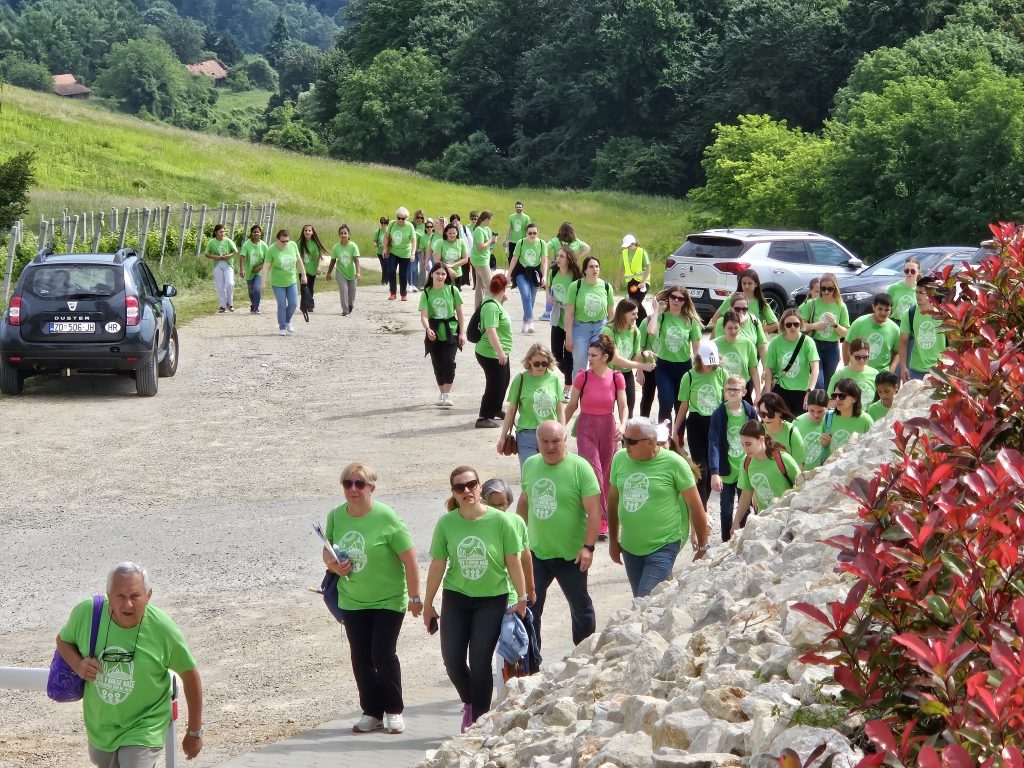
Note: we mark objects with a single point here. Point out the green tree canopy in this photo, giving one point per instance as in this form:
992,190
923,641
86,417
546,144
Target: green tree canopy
16,176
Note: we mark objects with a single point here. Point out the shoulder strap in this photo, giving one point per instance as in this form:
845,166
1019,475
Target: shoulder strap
795,355
746,463
522,383
777,453
910,320
584,385
608,290
828,422
97,615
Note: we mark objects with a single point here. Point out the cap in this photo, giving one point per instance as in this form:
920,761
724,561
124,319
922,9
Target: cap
662,431
708,352
628,240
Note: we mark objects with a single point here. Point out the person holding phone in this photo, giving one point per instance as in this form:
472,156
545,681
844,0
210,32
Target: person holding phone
480,256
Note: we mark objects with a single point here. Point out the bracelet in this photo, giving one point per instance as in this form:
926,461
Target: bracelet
195,734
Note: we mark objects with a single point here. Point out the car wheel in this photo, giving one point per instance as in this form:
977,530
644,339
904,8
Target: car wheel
146,382
169,365
12,381
776,301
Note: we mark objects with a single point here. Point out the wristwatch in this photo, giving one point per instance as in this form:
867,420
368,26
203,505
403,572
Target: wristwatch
705,548
589,547
195,734
416,600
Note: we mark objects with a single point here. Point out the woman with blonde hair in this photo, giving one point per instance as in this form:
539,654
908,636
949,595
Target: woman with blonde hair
675,329
535,395
830,328
480,256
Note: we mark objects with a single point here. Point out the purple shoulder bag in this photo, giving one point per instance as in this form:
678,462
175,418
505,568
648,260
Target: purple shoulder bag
64,684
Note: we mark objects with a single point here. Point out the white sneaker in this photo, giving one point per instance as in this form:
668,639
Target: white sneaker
447,400
367,724
414,289
529,327
393,723
283,332
440,399
290,329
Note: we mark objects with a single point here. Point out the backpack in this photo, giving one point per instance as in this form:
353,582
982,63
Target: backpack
474,332
910,322
777,455
577,283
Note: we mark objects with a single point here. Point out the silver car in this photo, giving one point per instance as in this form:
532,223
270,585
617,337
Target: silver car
708,264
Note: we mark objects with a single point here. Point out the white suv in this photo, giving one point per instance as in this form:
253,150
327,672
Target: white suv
708,263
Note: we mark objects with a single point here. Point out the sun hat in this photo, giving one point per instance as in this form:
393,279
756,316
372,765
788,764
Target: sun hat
628,240
708,352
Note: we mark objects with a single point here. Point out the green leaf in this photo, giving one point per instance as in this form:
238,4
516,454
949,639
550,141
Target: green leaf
939,608
934,708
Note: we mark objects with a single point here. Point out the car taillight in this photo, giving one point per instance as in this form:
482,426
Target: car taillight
131,305
732,267
14,311
669,263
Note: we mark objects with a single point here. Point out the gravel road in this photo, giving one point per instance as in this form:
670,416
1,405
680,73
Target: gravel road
213,485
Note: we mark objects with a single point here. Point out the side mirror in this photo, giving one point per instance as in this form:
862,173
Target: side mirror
170,291
854,263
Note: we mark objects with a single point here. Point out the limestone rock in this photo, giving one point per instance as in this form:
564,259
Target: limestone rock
672,759
627,750
677,729
560,712
804,740
640,713
724,703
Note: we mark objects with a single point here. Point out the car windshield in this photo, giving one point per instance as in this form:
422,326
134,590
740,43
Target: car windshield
710,247
73,281
892,265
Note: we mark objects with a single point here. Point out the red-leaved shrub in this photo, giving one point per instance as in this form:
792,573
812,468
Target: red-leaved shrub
928,643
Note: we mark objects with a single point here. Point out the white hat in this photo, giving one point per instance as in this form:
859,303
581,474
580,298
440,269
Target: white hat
708,352
628,240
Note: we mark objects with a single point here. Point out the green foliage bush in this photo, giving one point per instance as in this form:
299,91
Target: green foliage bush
469,161
27,74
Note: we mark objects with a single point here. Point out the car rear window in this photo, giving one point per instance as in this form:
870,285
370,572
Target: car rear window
71,281
709,247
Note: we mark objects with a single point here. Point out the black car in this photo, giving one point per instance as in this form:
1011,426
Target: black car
859,291
88,313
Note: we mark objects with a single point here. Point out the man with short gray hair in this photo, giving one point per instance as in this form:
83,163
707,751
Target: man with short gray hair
127,702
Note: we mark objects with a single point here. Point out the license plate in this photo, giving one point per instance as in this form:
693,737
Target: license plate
695,293
72,327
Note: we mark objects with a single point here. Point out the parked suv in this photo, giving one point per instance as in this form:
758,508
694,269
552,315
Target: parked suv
74,313
708,263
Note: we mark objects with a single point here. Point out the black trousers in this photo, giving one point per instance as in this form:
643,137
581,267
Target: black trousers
573,583
373,635
496,378
398,268
794,398
442,356
562,358
383,268
630,391
697,429
471,626
633,293
311,281
647,392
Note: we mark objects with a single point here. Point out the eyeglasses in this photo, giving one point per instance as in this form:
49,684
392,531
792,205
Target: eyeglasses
862,357
791,325
909,271
741,310
841,395
472,485
539,363
635,440
118,657
735,389
675,297
828,288
348,485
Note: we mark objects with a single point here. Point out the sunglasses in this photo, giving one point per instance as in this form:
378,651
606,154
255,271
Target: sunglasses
539,363
909,271
841,395
401,218
741,309
348,485
791,325
472,485
766,414
676,297
419,218
635,440
118,657
861,357
429,225
828,289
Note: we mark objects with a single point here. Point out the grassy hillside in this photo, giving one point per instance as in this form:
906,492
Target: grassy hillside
91,159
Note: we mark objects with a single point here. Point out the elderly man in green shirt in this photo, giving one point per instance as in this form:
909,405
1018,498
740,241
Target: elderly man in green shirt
127,702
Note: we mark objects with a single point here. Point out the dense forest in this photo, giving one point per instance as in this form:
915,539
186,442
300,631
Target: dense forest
823,113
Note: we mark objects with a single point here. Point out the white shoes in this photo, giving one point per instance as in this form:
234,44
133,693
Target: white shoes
367,723
290,329
529,327
393,723
446,400
440,399
283,332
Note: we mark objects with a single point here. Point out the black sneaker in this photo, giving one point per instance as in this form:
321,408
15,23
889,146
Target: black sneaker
487,424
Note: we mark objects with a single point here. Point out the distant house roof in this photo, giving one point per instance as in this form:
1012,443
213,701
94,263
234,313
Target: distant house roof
66,85
210,68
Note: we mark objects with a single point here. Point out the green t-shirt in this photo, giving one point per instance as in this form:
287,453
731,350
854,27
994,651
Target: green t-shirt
842,427
789,437
904,298
842,316
129,703
421,235
737,357
216,247
346,256
493,315
627,343
810,430
675,335
651,514
284,264
538,400
433,243
378,240
373,542
557,520
402,236
481,254
751,329
592,302
523,543
649,341
877,410
929,340
559,291
807,310
440,304
703,391
762,312
884,339
733,424
517,224
575,246
475,551
865,379
255,255
311,258
765,480
530,254
452,252
799,373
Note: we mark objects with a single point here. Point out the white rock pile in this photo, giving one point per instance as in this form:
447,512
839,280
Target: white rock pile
704,673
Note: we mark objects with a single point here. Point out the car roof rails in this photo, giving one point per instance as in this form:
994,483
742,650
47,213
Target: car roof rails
124,253
43,253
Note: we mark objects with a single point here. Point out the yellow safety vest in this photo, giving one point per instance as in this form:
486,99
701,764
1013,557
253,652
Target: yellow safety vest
633,270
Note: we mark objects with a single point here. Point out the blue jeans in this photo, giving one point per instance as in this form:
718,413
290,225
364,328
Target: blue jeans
667,376
414,269
582,335
645,572
828,352
255,288
528,293
287,300
526,439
